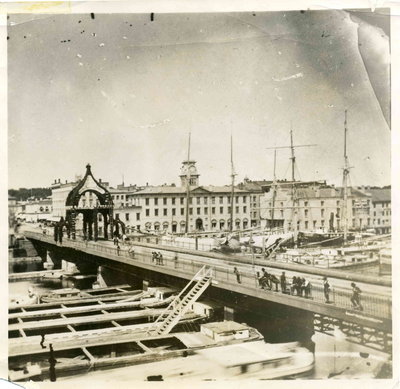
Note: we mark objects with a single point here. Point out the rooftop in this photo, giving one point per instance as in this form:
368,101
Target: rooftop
193,190
378,195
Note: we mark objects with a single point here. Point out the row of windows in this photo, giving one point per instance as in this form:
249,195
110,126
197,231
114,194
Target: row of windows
324,223
127,216
197,200
198,211
116,197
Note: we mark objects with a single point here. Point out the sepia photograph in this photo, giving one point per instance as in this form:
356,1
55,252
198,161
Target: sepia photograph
199,196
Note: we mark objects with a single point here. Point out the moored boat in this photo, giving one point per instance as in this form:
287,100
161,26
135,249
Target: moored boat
117,351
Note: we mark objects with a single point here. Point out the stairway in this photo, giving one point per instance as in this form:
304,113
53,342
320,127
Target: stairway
181,303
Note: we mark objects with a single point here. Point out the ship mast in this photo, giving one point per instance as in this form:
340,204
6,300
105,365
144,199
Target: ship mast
293,163
346,170
232,186
273,194
187,189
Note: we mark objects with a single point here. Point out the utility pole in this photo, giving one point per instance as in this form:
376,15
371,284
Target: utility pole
187,189
232,185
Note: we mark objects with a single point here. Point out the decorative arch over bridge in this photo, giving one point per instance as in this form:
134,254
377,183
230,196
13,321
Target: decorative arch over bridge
102,203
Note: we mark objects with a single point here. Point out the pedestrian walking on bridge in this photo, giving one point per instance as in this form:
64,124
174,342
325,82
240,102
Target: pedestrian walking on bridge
327,289
356,297
238,278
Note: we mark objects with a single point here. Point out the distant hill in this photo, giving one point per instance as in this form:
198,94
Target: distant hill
25,193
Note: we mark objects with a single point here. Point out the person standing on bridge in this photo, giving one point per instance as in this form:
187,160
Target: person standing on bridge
118,248
356,297
327,289
283,282
236,271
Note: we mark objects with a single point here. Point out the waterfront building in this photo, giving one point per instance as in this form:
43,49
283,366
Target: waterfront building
255,188
316,206
164,207
381,211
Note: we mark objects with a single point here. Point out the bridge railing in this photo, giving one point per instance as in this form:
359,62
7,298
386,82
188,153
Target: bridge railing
374,305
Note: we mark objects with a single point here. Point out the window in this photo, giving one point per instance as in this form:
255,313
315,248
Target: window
165,212
237,199
221,209
221,200
237,209
173,211
198,211
306,225
322,212
229,209
213,224
155,201
205,210
122,196
164,201
306,212
229,199
322,203
127,216
374,213
117,197
173,200
182,211
190,200
147,201
245,209
138,216
182,200
205,200
322,223
213,210
147,212
254,198
314,223
117,215
281,214
245,199
337,203
156,212
213,200
197,200
306,203
190,211
281,204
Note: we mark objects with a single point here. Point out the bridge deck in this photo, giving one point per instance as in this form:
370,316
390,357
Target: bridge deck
377,307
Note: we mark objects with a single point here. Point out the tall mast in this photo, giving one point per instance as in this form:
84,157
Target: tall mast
293,162
187,189
293,159
274,193
345,175
232,185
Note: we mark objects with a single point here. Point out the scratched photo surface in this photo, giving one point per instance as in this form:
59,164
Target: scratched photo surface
112,104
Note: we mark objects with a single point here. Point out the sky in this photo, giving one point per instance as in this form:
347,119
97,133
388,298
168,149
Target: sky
122,92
